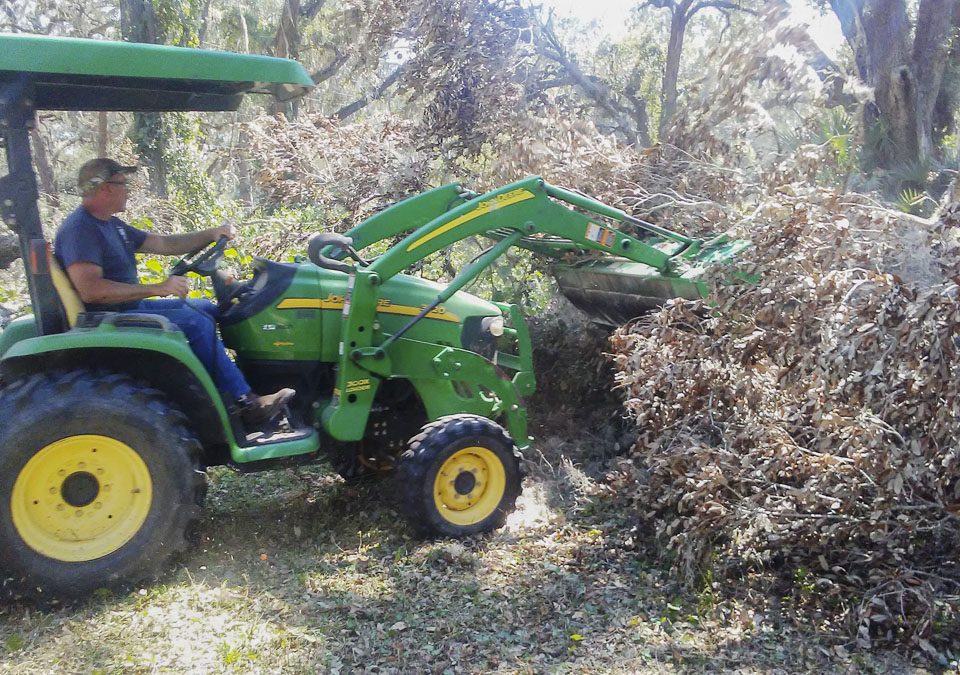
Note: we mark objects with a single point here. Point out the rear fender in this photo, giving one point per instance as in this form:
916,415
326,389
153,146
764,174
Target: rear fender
17,330
160,356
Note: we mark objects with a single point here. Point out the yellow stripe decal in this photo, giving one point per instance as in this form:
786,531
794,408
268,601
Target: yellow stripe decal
384,306
331,302
498,202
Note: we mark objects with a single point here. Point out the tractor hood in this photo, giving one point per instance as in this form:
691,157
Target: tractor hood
295,312
413,292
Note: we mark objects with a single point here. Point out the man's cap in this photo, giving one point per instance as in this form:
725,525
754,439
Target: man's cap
98,171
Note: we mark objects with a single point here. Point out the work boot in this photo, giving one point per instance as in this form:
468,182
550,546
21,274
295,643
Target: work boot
256,410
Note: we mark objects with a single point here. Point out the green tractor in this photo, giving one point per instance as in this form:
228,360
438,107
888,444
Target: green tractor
108,421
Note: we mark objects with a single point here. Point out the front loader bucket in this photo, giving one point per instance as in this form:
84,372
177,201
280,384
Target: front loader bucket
613,292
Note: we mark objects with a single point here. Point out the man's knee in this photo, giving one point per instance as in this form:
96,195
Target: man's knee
193,323
205,306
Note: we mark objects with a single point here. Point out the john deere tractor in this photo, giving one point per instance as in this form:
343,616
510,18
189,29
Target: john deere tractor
108,420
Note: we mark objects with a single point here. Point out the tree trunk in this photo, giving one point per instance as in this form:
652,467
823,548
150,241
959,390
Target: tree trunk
948,99
44,170
244,170
286,45
848,13
886,29
244,35
906,78
681,12
138,23
930,51
9,249
102,134
204,25
668,92
244,182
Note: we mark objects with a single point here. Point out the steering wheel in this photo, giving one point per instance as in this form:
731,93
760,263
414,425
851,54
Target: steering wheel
202,260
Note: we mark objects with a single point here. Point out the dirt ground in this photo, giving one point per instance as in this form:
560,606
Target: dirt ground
299,572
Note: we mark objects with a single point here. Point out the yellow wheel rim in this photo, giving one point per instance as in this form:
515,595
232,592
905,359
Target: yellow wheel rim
469,486
81,498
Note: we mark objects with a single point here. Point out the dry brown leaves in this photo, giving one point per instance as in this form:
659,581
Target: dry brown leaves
808,424
350,169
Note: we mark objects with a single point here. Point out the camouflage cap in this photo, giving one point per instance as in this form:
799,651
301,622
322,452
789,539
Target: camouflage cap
98,171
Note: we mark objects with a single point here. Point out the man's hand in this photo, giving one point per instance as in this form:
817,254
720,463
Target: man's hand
178,286
226,230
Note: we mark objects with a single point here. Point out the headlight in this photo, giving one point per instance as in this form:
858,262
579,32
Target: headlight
493,325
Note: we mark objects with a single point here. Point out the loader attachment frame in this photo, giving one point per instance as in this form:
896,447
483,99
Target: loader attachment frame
530,214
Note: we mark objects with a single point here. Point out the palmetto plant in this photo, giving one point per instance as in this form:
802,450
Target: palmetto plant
912,200
838,129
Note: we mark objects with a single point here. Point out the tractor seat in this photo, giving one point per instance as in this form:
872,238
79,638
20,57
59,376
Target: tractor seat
69,298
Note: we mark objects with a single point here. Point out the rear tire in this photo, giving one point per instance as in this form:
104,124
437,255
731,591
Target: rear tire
100,482
460,476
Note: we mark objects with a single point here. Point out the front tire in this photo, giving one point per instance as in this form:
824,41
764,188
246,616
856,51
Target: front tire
460,476
100,482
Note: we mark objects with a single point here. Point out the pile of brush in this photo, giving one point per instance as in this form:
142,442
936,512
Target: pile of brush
809,425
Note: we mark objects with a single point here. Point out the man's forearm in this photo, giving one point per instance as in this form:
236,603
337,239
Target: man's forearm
178,244
106,292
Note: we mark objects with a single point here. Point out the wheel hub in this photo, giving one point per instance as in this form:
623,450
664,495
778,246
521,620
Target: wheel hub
80,489
464,483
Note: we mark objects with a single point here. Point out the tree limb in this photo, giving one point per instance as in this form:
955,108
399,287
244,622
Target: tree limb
309,11
362,102
661,4
546,85
331,69
719,4
631,123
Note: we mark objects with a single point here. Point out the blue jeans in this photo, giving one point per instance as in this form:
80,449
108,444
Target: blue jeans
198,321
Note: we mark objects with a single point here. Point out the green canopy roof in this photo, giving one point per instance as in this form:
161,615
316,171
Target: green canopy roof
76,74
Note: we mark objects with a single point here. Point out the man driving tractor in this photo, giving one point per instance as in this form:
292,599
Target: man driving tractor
97,251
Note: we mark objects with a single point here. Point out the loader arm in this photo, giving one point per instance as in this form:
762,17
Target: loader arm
409,214
541,212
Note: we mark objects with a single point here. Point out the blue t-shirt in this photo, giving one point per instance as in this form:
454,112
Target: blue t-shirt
111,244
